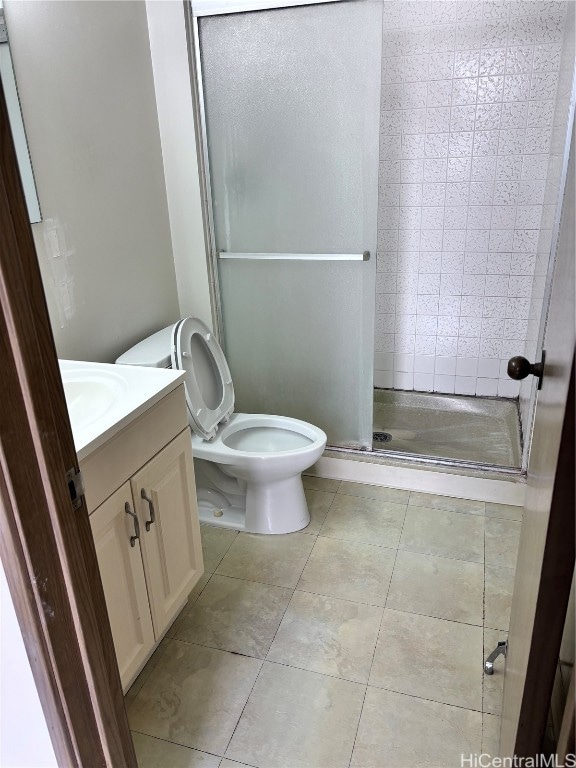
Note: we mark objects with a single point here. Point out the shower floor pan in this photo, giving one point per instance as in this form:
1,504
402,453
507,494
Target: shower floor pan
482,430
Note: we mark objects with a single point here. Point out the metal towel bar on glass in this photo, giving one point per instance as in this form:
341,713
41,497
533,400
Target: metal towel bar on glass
297,256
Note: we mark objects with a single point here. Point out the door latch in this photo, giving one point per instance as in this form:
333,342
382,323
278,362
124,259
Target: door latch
500,650
75,487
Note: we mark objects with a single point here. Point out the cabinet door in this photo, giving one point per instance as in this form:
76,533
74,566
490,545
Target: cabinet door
122,574
171,549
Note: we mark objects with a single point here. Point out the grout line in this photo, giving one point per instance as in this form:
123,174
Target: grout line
403,549
374,498
145,672
438,618
188,606
176,743
360,602
275,633
216,648
254,581
378,635
425,698
321,525
315,672
243,708
229,545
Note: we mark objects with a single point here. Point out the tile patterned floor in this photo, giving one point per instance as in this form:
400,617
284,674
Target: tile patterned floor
357,642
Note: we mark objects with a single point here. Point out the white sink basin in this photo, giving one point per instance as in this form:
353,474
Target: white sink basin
90,394
104,398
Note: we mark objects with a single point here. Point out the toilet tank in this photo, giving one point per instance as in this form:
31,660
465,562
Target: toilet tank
153,352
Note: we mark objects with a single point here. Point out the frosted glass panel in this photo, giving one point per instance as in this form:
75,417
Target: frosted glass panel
292,351
292,115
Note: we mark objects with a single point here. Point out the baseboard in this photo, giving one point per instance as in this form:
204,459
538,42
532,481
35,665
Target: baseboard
503,491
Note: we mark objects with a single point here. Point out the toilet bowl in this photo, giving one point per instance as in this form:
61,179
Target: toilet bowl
248,466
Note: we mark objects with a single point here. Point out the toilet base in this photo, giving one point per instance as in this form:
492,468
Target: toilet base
269,508
277,507
229,517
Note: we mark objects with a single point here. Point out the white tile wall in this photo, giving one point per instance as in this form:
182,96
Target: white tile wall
467,116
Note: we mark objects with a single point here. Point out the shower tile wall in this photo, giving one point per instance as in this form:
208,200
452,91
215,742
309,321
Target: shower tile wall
467,109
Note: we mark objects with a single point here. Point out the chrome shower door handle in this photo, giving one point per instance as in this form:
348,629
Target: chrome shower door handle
150,503
133,515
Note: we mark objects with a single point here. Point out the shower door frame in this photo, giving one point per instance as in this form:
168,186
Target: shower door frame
199,109
195,62
213,254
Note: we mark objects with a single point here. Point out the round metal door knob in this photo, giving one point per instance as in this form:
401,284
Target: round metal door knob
519,368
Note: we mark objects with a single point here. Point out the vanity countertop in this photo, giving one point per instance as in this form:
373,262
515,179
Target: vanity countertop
103,398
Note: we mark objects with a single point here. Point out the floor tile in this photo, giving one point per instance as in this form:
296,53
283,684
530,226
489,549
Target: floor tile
429,658
493,684
437,586
297,718
318,505
491,735
327,635
445,534
320,483
348,570
235,615
232,764
136,686
194,696
504,511
398,731
502,539
448,503
498,588
275,560
368,520
154,753
194,595
215,543
395,495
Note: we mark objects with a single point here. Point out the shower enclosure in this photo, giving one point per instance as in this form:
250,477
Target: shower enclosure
382,183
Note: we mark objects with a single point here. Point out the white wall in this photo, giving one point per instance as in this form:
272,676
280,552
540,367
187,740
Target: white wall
468,97
24,737
85,80
169,49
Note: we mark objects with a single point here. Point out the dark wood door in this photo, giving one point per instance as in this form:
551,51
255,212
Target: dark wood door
46,545
546,556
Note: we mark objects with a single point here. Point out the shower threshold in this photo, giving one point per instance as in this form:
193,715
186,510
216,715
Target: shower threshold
449,428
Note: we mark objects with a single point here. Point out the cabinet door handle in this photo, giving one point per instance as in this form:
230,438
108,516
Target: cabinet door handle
151,508
136,524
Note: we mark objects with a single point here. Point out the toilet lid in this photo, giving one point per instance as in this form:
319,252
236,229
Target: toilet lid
209,389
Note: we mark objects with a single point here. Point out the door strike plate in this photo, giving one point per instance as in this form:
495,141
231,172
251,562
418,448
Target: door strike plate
75,487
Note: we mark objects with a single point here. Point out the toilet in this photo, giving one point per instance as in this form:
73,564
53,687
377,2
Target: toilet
248,466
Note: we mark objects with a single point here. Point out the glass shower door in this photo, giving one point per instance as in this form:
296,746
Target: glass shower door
291,101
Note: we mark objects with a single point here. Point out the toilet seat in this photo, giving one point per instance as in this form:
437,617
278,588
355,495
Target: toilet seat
209,388
234,442
248,469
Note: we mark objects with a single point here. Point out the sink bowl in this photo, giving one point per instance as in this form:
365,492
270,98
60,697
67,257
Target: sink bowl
90,394
103,398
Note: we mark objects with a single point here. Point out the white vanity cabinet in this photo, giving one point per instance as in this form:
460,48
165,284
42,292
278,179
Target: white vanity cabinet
124,582
146,532
169,534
